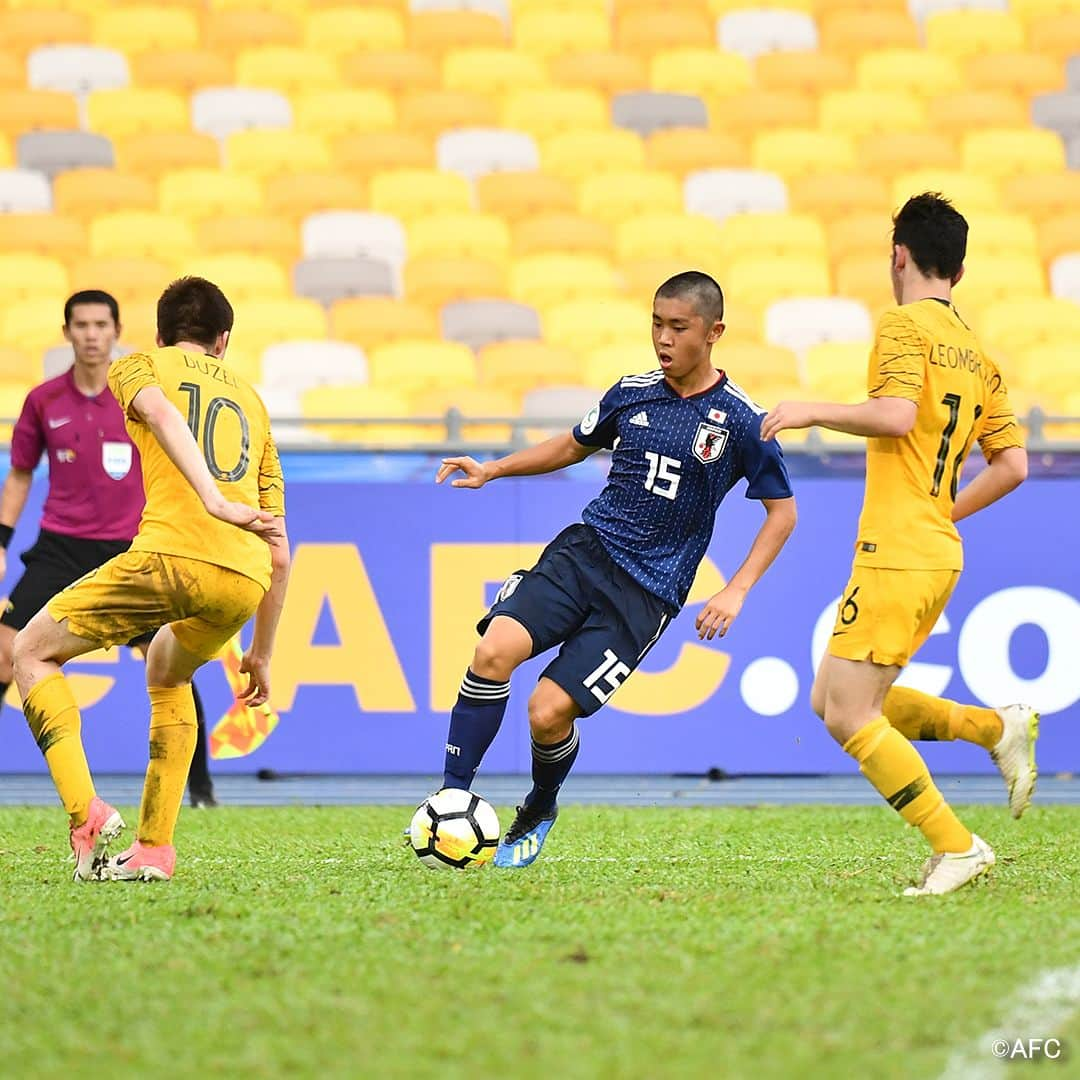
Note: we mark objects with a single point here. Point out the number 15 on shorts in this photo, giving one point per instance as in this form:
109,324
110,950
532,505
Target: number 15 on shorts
612,671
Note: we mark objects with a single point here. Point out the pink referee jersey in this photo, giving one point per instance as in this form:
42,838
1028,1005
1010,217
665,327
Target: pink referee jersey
95,485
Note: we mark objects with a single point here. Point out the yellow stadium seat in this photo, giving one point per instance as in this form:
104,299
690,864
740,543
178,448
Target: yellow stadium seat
350,402
17,366
23,31
798,152
1046,368
910,71
368,321
517,195
1043,196
136,281
240,276
492,71
549,34
853,32
685,150
437,32
1005,280
722,7
694,238
478,236
136,29
32,110
609,72
82,193
264,152
258,234
546,280
527,7
623,194
200,193
344,112
563,232
866,277
969,193
366,153
470,401
837,368
751,112
133,111
7,158
34,325
58,235
958,114
754,363
1025,324
296,195
394,71
650,31
1004,152
413,193
141,232
230,31
12,396
871,112
746,236
1035,9
709,73
182,70
1058,236
860,234
829,196
422,364
973,33
290,70
520,366
545,112
991,236
431,112
641,277
628,7
12,71
1023,73
803,72
574,155
435,280
261,322
1055,35
153,154
886,154
345,29
28,276
587,324
607,364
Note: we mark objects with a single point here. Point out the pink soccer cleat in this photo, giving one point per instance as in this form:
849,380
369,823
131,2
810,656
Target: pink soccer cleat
141,862
91,839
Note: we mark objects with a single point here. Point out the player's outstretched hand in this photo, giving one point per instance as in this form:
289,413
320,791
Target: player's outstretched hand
260,522
786,416
257,669
716,617
475,474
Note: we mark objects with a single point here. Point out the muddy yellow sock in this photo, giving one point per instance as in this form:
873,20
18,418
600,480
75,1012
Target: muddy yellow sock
889,761
56,725
918,716
172,742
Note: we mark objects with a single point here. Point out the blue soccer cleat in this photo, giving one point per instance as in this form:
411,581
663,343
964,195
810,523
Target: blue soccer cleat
525,837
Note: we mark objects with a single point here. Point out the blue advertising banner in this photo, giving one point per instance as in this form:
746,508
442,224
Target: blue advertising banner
389,579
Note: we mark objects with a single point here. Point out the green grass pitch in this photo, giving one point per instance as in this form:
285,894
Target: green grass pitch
758,942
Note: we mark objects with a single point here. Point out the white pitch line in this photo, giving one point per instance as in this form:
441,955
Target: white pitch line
1037,1011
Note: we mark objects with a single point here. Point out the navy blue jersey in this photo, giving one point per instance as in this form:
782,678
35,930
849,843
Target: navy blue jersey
674,459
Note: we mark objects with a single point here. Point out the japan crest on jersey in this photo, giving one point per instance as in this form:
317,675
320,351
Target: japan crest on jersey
709,442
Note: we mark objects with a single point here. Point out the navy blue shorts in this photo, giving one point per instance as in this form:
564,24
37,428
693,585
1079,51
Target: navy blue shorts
576,597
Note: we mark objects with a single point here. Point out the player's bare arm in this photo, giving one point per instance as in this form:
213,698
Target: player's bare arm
12,500
1006,471
890,417
716,617
256,661
549,456
174,436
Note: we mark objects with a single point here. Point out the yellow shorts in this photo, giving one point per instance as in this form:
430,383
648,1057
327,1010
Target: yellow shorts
140,591
886,615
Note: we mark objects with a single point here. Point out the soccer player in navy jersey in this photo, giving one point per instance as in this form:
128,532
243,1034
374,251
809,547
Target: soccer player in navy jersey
606,588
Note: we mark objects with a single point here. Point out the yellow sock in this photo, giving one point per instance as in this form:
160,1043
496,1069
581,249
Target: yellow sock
56,725
172,742
918,716
889,761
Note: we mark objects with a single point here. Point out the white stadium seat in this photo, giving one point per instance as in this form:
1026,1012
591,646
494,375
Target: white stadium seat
719,193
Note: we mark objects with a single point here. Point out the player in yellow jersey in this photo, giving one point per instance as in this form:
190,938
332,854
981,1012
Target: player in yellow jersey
211,551
933,394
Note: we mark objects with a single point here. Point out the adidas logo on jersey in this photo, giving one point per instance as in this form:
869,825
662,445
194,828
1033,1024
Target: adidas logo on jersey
640,419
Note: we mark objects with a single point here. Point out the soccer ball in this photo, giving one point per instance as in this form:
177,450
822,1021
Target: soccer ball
454,829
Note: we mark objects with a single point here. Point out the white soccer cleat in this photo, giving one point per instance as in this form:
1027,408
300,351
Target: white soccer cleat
1014,754
948,871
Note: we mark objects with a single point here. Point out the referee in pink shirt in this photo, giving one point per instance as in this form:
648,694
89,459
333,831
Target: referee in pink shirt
95,496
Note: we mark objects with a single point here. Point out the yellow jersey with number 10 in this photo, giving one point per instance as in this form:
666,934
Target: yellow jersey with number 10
924,352
231,426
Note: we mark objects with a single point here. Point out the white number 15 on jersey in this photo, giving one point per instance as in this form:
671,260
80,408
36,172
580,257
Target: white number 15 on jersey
663,470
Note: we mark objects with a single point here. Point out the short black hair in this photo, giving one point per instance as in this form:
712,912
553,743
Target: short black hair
193,309
700,289
935,233
91,296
